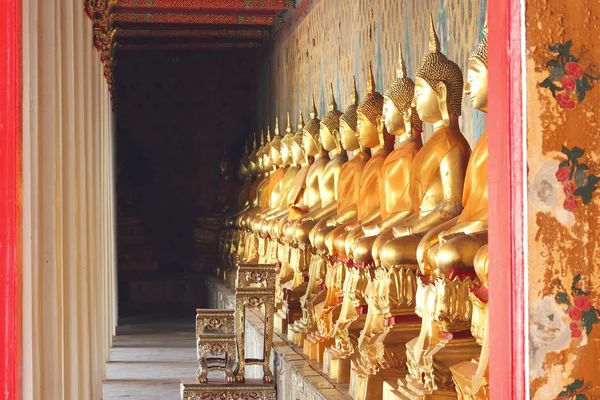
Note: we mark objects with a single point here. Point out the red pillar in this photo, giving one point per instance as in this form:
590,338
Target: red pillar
10,167
508,377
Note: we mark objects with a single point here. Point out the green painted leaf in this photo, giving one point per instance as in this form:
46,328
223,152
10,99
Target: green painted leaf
581,397
590,315
577,384
563,394
583,167
576,280
545,83
579,292
593,179
562,298
552,63
586,198
566,151
580,95
580,191
555,48
563,164
556,74
585,83
577,152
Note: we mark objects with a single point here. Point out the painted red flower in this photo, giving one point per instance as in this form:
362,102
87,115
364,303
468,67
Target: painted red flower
574,70
568,83
569,187
562,174
582,302
576,333
575,313
570,203
573,326
565,101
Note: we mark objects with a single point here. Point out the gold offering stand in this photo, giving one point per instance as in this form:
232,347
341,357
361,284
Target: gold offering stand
220,332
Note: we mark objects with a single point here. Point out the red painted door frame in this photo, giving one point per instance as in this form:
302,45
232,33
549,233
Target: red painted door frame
508,377
10,172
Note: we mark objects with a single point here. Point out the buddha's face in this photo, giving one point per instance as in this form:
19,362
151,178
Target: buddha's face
267,163
252,167
367,132
426,101
260,165
286,154
349,137
275,156
392,117
327,138
310,147
297,153
476,86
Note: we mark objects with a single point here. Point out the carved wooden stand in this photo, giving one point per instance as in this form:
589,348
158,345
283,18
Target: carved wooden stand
220,332
215,336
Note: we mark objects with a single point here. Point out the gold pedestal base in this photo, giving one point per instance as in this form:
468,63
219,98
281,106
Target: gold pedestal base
280,322
389,390
251,390
336,366
411,390
462,375
363,386
314,349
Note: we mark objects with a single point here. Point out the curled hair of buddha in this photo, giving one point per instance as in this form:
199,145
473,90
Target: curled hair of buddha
297,138
289,133
481,53
372,105
402,91
313,126
261,150
275,143
349,117
436,68
332,119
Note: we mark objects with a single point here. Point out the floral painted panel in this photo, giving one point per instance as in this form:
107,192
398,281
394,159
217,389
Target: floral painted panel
563,155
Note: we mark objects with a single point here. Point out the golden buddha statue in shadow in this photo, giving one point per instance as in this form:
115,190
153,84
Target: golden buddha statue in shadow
382,345
313,194
373,135
329,137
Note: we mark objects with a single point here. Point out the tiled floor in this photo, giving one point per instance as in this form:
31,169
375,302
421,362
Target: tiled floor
148,359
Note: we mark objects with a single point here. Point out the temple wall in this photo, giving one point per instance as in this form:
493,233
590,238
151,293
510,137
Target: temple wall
563,155
331,41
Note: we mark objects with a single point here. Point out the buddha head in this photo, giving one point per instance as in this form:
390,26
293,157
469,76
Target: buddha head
275,147
330,125
369,115
244,168
286,143
266,155
252,159
438,85
298,155
260,154
477,74
348,121
224,168
311,139
398,114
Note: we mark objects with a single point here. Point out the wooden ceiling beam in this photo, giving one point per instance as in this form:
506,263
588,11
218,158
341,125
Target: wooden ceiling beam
201,19
186,46
193,33
242,6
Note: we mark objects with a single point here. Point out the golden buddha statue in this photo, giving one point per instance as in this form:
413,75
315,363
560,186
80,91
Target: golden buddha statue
382,348
372,134
436,188
313,194
326,305
329,136
452,254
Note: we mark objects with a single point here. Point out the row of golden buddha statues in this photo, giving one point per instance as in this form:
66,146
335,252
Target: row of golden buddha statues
382,257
